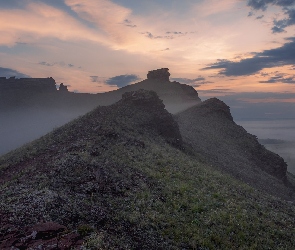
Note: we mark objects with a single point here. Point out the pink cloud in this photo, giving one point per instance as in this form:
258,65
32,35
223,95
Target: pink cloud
39,20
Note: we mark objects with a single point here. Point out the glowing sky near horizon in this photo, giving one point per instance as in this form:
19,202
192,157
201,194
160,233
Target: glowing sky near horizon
219,47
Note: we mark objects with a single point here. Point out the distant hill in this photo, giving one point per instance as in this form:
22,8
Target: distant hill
32,107
129,176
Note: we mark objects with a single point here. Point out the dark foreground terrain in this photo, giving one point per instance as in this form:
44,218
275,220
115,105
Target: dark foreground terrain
132,176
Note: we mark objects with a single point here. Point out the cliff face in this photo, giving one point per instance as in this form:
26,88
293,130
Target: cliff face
210,129
25,85
159,74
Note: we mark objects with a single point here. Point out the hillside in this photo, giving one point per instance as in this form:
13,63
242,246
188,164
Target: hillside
123,177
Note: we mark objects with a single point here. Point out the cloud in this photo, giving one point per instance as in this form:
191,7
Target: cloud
260,17
193,82
122,80
281,78
94,78
177,33
280,25
46,64
151,36
284,55
286,5
61,64
128,23
105,15
263,4
38,20
6,72
188,81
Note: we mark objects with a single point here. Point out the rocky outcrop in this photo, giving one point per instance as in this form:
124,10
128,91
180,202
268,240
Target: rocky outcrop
210,129
215,107
32,85
63,88
158,117
159,74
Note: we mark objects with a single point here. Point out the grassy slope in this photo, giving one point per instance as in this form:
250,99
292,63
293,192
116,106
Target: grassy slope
110,175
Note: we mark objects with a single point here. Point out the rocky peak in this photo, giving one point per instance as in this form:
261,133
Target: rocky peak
153,114
143,97
159,74
63,88
214,105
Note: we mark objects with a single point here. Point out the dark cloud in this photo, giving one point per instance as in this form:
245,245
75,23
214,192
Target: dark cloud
260,17
167,34
151,36
46,64
284,55
94,78
263,4
176,32
193,82
6,72
280,78
280,25
62,64
286,5
122,80
188,81
128,23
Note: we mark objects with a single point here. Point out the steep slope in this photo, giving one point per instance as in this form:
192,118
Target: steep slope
210,129
122,178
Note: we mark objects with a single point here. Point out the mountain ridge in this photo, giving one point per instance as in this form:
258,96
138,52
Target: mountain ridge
118,180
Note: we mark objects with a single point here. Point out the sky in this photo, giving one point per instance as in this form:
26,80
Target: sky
241,51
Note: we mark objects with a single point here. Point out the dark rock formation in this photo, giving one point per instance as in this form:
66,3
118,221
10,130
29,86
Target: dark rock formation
214,106
33,85
160,119
210,129
159,74
63,88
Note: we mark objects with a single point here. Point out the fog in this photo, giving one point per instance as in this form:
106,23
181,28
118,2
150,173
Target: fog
20,127
283,133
